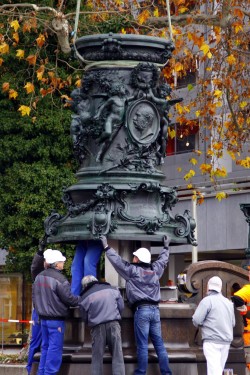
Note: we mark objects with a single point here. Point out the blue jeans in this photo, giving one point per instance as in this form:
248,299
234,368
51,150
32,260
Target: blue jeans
35,341
147,323
86,258
52,346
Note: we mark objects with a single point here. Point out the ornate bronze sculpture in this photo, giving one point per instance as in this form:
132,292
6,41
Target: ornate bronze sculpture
119,131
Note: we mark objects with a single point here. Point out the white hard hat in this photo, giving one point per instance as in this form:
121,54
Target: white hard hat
215,283
143,255
53,256
46,253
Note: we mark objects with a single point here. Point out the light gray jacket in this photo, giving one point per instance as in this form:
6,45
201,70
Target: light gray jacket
101,303
142,279
215,315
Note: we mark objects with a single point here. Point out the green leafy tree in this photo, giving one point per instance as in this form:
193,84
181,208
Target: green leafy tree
36,162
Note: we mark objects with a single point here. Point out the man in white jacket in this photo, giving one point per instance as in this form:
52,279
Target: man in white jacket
215,316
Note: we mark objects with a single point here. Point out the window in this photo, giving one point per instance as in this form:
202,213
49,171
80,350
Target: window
11,307
185,140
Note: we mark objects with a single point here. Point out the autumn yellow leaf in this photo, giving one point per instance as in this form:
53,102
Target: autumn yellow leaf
31,59
237,27
189,175
179,169
78,83
187,109
16,37
40,40
156,12
238,13
243,104
193,161
5,86
205,48
210,152
198,152
123,31
4,48
143,16
179,108
89,4
197,113
219,172
217,145
26,27
205,168
67,100
20,53
171,133
45,92
221,195
40,72
15,25
200,199
178,67
245,162
183,9
25,110
231,59
232,155
189,186
217,93
13,94
29,87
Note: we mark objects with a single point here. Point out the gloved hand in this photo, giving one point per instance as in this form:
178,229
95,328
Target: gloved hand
104,241
42,244
166,241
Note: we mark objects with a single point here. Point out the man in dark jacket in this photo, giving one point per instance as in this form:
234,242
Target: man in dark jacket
101,306
52,298
143,293
38,265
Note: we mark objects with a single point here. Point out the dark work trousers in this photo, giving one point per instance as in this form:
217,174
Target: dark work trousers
102,335
35,341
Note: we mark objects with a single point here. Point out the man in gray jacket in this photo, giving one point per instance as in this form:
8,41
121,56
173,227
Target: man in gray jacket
52,298
101,306
215,316
143,293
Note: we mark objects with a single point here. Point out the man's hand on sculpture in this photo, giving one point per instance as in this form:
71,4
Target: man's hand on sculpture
104,241
42,243
166,241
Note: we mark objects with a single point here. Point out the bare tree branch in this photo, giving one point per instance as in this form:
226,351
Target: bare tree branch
27,5
204,19
184,20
